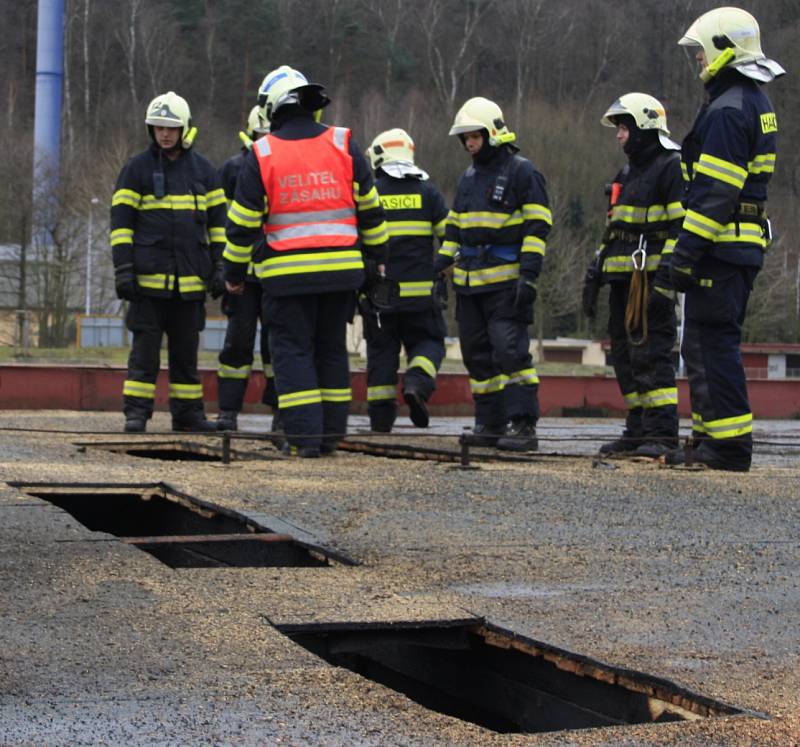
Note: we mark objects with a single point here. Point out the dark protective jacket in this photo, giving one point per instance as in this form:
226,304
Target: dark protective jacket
728,160
647,213
303,270
228,176
498,226
415,213
174,240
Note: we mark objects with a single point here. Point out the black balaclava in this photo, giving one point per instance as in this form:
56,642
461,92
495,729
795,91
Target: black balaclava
642,145
487,152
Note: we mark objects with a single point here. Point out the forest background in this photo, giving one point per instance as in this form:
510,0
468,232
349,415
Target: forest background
554,66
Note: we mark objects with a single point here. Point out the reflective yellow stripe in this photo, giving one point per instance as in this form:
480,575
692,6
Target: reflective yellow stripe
484,219
660,397
523,376
126,197
675,210
269,373
216,234
297,399
376,393
698,224
236,253
173,202
724,171
748,233
374,236
190,284
624,263
368,201
185,391
336,395
685,172
243,216
486,276
533,244
426,364
697,422
231,372
439,228
121,236
415,288
488,386
139,389
669,246
296,264
535,211
739,425
448,248
409,228
156,282
632,400
762,164
215,197
452,217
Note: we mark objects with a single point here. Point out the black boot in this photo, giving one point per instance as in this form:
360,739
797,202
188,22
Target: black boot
520,435
713,458
193,421
486,435
135,424
227,420
417,409
304,452
627,443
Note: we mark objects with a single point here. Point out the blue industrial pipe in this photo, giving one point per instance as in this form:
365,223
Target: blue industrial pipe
47,122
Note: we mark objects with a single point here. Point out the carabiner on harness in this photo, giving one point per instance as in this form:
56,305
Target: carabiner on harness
639,256
638,296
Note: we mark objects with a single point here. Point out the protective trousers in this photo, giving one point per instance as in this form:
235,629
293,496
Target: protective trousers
495,346
236,358
715,311
421,333
646,373
182,321
307,337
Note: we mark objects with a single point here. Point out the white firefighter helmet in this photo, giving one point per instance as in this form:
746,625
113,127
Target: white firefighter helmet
482,114
648,113
285,85
393,151
171,110
730,36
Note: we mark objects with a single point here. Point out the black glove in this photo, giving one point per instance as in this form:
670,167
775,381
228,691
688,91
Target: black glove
217,281
681,275
125,284
371,272
440,294
591,290
525,294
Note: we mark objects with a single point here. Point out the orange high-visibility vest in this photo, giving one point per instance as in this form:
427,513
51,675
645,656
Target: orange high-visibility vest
309,187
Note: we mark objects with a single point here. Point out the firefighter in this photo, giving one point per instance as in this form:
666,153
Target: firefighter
167,237
644,218
415,213
495,237
242,304
308,187
728,159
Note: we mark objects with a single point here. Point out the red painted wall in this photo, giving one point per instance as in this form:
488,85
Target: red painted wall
39,387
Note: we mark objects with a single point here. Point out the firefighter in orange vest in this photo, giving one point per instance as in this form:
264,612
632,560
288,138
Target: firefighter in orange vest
309,188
